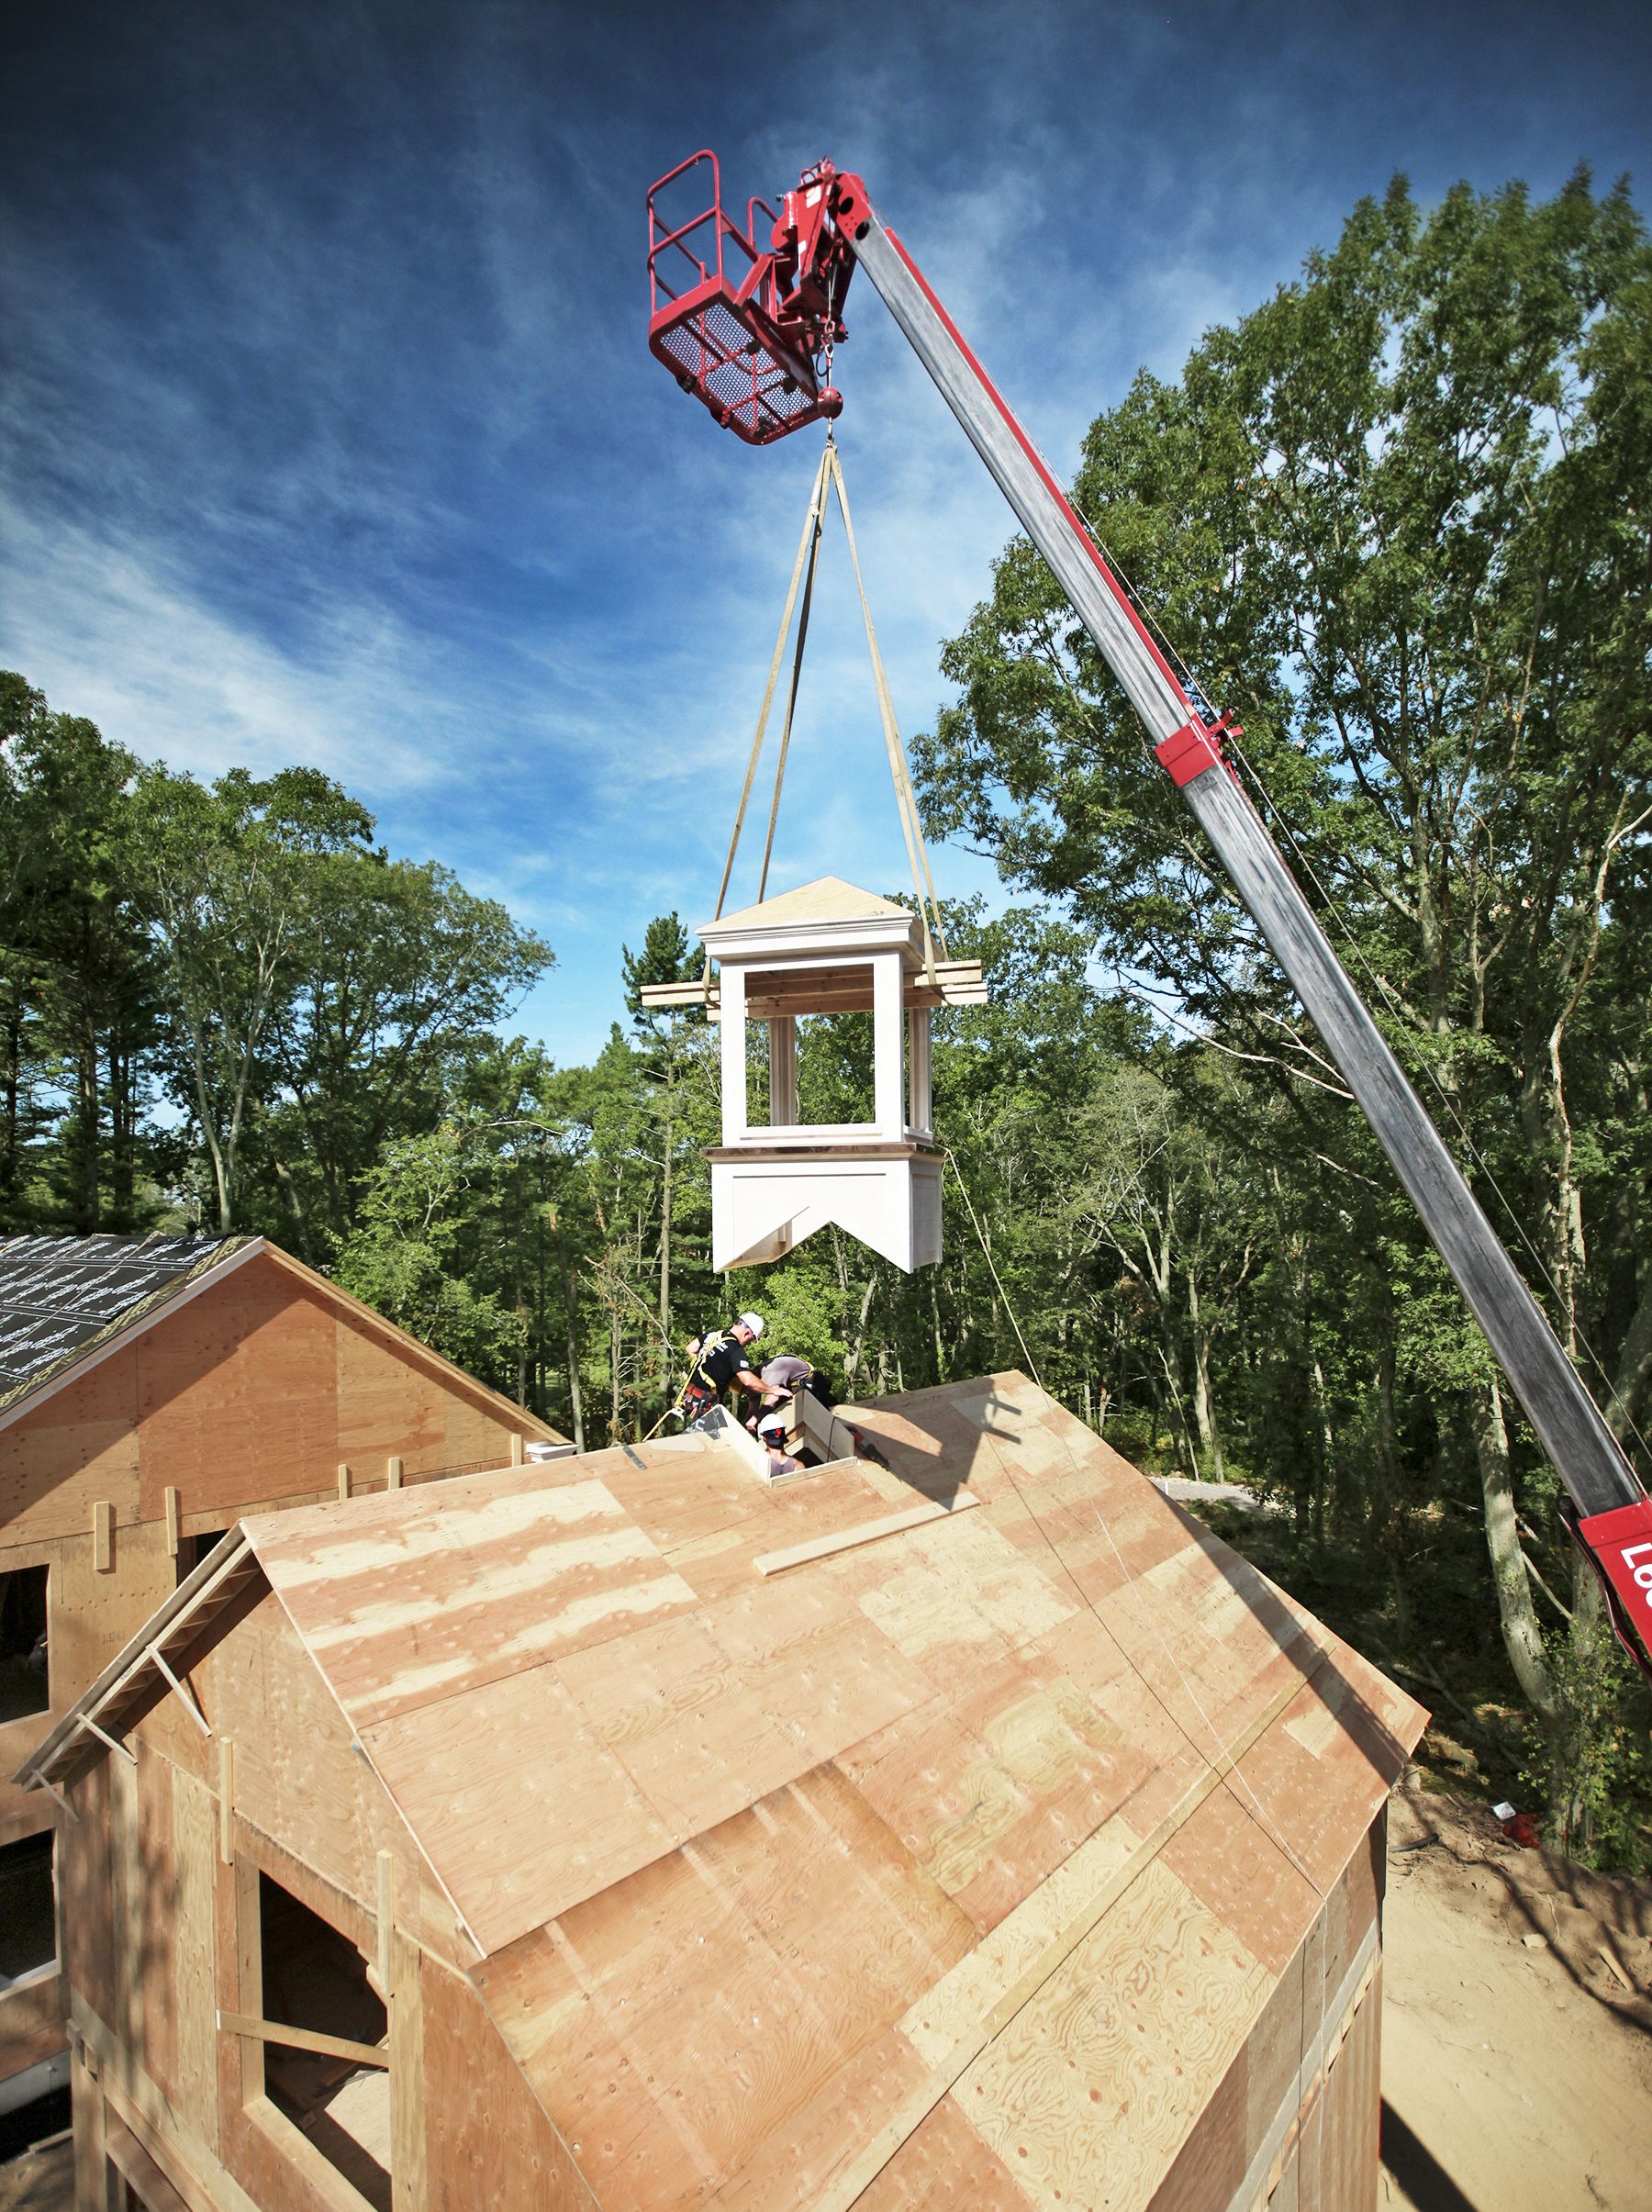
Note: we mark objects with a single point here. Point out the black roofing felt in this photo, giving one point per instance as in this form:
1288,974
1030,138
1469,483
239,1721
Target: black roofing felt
59,1294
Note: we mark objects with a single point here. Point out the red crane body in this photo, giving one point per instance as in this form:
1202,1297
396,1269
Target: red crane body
756,346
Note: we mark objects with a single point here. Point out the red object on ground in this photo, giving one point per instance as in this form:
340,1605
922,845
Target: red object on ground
1522,1831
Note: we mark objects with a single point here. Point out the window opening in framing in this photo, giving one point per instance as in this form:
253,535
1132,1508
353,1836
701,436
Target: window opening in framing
313,1977
28,1922
24,1678
192,1550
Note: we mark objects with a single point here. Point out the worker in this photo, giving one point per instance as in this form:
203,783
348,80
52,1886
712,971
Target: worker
719,1360
782,1379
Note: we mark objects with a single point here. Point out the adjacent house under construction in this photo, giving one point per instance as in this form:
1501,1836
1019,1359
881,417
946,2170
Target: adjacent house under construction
152,1391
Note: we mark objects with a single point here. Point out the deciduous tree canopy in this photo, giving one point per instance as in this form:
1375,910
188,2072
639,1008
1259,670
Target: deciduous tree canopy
1398,518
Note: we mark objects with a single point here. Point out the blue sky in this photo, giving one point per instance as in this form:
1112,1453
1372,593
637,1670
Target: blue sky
330,433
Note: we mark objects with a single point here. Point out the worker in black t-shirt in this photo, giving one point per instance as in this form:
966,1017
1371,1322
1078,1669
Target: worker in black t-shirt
719,1363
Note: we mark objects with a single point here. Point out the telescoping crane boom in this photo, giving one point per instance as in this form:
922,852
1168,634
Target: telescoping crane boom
748,326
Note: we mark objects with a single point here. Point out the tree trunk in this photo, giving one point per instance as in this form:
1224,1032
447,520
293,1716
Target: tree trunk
14,1080
1204,1413
1523,1639
852,1357
294,1205
614,1347
666,1180
569,1312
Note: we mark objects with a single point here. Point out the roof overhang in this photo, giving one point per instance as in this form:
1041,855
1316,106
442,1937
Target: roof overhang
222,1590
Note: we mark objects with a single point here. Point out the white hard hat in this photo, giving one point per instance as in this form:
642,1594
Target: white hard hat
752,1321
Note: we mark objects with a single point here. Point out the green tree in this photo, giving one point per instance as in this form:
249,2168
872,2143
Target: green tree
233,881
77,1010
428,1214
1398,516
668,1040
400,976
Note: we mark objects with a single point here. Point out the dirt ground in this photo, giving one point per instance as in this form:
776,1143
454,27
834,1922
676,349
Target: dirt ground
1516,2034
1517,2027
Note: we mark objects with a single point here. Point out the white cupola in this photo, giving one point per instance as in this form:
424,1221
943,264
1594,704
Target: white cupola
828,947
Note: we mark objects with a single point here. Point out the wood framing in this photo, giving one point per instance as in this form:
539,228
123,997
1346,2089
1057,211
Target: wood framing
1017,1845
152,1391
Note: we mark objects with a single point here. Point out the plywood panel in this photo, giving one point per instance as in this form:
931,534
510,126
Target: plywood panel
800,2169
422,1595
127,1906
474,1435
1351,2120
953,1596
90,1615
86,1901
193,1941
1233,1858
31,2024
76,1447
408,2085
994,1789
945,2167
24,1812
487,2140
386,1404
1076,2096
235,1394
297,1779
677,2021
151,1902
520,1815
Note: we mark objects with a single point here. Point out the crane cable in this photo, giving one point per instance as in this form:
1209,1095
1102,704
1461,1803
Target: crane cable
830,475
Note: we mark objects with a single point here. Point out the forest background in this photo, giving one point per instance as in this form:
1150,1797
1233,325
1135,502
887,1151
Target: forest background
1398,518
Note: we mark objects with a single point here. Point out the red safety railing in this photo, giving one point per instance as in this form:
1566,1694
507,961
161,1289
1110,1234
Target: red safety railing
713,314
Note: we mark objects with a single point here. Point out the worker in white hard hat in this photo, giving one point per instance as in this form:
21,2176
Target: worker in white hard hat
719,1363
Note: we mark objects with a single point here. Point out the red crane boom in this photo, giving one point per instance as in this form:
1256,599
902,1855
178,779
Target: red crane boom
755,343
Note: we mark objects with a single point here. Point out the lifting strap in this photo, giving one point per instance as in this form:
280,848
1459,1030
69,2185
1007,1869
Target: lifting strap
808,546
831,472
905,799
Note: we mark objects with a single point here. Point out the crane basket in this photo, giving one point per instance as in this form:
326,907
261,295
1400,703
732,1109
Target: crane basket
719,329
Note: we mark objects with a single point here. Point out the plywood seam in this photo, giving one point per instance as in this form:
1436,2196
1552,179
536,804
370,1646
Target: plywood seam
864,2171
1260,2178
524,2077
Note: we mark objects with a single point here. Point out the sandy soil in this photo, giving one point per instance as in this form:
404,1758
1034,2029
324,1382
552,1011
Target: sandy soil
1517,2030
